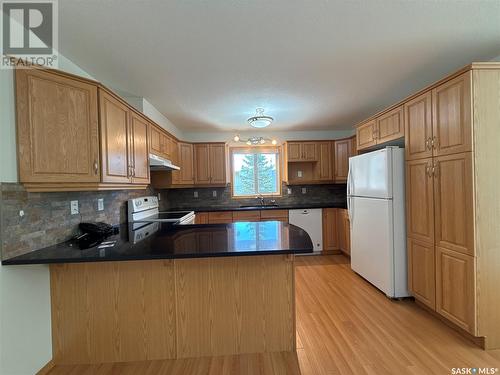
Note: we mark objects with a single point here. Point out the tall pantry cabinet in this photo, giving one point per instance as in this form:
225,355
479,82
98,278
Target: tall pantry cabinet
452,133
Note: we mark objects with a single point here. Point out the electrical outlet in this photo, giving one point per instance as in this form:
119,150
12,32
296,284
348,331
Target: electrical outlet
74,208
195,194
299,174
100,204
289,191
304,190
21,213
214,193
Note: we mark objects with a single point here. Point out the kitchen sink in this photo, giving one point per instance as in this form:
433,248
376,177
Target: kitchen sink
260,207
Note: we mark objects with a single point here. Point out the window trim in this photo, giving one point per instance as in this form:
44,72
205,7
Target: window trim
256,150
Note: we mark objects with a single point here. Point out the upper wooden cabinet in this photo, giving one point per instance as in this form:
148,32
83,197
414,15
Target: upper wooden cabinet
57,130
302,151
418,127
325,164
124,142
343,151
366,135
156,141
185,160
210,163
161,143
451,109
390,126
139,152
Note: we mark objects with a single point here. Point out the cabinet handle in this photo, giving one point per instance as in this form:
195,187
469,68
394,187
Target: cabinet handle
428,143
435,142
428,170
96,167
435,169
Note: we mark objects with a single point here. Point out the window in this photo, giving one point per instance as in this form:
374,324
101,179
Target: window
255,172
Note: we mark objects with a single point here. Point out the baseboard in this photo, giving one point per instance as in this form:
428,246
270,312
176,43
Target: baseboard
479,341
330,252
46,369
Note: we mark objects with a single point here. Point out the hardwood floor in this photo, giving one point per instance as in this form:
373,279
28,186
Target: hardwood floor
344,326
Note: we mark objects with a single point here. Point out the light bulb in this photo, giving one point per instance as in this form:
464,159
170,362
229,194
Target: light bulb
236,138
262,141
274,142
249,143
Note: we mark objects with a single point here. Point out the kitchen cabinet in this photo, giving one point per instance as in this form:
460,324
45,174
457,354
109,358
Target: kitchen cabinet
343,151
57,130
420,200
201,218
220,217
139,152
330,230
422,271
246,215
274,215
366,135
455,297
418,127
344,231
453,197
156,141
324,166
301,151
210,163
390,126
116,158
451,109
185,161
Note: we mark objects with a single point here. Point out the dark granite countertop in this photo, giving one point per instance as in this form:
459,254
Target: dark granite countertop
257,207
182,241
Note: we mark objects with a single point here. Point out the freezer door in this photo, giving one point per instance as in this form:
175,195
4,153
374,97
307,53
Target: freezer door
372,242
370,175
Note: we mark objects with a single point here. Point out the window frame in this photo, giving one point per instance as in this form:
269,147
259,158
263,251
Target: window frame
256,150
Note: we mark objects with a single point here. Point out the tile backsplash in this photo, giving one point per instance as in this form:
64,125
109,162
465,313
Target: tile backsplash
314,194
47,218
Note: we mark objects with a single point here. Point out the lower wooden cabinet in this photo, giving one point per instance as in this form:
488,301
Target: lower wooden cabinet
220,217
201,218
422,271
223,217
246,215
344,230
330,230
455,288
274,215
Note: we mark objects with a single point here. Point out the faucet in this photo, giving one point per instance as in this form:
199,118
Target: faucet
262,203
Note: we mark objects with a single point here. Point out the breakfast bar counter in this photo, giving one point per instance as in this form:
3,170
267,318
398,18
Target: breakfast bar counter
181,292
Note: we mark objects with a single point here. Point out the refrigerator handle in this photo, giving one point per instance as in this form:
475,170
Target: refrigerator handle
349,191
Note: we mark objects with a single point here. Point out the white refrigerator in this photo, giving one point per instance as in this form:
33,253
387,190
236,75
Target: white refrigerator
376,205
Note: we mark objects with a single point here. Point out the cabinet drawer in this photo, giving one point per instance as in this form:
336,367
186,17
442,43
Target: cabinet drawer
201,218
271,215
246,215
220,217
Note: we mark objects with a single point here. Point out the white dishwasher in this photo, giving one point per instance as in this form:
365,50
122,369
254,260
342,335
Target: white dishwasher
311,220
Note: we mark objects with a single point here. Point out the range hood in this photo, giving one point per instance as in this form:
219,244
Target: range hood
157,163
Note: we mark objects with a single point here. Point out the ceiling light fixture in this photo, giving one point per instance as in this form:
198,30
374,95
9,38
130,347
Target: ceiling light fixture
260,120
255,141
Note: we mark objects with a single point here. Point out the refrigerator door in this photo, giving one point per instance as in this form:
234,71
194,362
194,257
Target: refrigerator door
372,242
370,174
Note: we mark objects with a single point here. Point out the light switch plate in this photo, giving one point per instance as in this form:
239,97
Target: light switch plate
214,193
289,191
74,208
299,173
100,204
195,194
304,190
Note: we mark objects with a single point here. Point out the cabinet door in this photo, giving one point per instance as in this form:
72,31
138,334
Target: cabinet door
323,168
341,159
139,149
366,135
418,127
222,217
343,231
453,195
309,152
217,164
422,271
246,216
330,230
354,146
201,218
294,151
116,166
57,128
451,112
390,126
202,163
420,200
155,141
185,160
455,288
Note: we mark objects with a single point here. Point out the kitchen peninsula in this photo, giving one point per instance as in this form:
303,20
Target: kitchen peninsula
182,292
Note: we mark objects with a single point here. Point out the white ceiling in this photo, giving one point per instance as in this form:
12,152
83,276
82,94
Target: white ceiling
313,65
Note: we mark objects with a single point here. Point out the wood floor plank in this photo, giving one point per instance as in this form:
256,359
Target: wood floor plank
344,326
